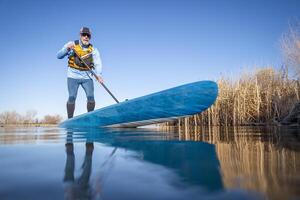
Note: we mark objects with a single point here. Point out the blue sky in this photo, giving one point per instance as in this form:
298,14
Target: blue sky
145,46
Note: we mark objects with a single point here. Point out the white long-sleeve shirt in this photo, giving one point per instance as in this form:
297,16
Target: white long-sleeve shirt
75,73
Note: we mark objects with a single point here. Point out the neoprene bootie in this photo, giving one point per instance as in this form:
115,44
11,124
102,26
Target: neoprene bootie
90,106
70,109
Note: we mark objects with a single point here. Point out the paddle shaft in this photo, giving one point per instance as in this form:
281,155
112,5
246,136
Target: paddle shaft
94,74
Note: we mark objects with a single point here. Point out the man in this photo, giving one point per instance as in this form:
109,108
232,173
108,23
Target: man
78,72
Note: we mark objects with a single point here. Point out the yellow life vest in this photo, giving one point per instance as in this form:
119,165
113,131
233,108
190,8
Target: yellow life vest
86,56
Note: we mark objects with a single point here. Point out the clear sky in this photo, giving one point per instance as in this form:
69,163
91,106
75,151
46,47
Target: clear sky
145,46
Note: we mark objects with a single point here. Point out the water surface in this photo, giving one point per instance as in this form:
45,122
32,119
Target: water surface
197,163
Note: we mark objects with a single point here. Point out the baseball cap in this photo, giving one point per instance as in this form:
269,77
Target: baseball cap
85,30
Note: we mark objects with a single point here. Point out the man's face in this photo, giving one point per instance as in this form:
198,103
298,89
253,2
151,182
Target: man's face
85,38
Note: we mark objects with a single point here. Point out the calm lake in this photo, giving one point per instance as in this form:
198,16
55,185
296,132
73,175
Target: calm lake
198,163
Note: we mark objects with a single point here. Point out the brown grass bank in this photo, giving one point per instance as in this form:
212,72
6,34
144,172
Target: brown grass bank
264,96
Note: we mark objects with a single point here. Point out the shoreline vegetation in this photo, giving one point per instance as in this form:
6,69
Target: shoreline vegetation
265,96
14,119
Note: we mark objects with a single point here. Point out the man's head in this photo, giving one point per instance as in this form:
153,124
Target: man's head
85,35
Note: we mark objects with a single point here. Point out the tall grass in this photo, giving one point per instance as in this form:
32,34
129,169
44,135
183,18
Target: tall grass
263,96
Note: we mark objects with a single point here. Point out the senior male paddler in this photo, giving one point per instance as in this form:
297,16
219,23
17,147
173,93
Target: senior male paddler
78,73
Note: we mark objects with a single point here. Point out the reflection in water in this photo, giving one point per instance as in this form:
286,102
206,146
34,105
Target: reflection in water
78,188
28,135
258,159
198,163
195,163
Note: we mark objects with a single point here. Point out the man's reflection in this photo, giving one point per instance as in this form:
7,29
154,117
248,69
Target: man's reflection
195,163
77,188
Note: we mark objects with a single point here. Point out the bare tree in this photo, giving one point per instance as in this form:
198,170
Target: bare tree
10,117
290,47
52,119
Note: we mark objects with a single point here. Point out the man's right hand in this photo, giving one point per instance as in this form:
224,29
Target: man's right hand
70,46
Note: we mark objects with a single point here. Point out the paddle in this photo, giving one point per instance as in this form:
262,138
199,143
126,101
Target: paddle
94,74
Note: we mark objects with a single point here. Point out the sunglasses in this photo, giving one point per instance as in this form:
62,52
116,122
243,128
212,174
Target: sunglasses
86,34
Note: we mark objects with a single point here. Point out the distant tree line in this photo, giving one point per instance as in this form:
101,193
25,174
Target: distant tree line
12,117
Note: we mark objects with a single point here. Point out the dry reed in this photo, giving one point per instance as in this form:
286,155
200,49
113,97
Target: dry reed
264,96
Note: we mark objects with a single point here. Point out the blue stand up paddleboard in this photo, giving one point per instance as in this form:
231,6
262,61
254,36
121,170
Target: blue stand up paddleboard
163,106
